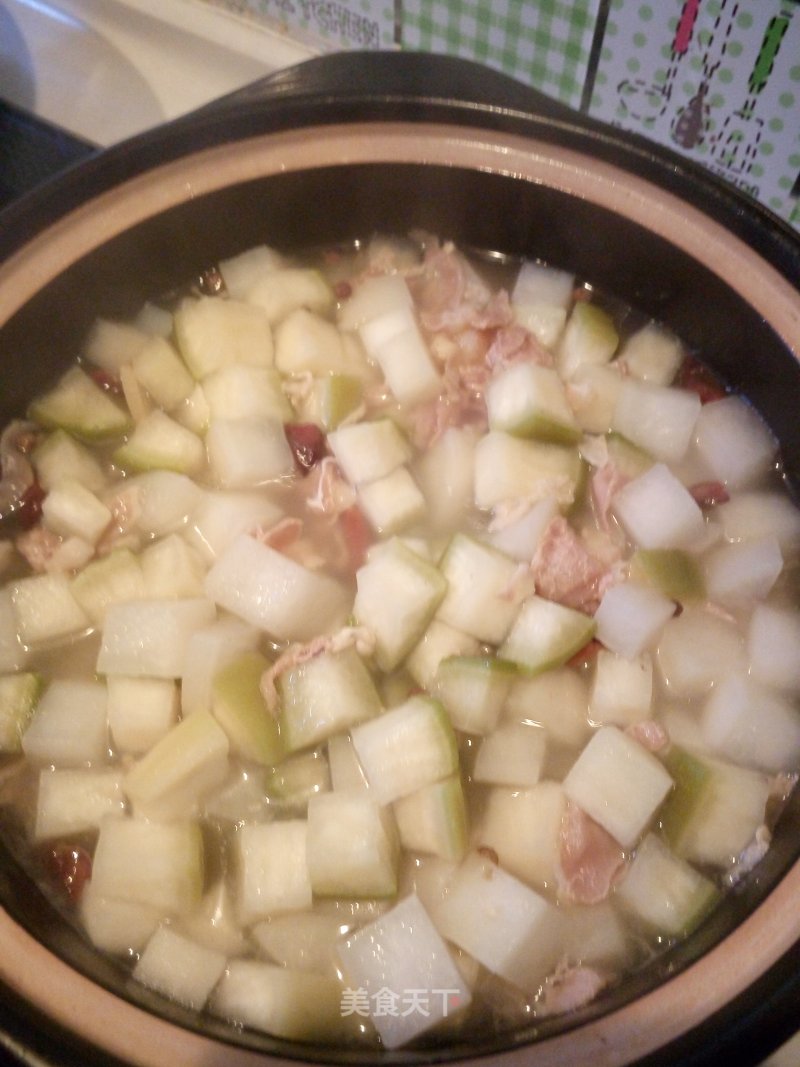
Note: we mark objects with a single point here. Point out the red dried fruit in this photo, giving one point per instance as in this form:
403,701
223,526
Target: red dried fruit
696,377
29,510
307,442
70,868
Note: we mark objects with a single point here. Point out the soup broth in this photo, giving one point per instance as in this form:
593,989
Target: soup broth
395,643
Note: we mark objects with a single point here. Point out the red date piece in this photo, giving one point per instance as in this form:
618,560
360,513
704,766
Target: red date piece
70,868
707,494
29,509
357,535
307,442
697,378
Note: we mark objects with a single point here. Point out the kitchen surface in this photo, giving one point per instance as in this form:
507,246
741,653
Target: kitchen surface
717,81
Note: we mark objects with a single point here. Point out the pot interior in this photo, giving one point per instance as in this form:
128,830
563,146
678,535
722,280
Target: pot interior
491,212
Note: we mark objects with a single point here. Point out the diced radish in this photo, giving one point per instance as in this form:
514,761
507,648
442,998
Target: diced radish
178,968
392,503
72,510
45,608
18,696
79,406
631,617
528,400
374,296
70,726
520,538
540,298
346,772
159,368
117,926
213,333
307,343
652,354
241,272
658,512
752,725
352,846
511,755
618,783
589,338
558,700
221,515
149,638
433,820
622,689
438,643
773,641
301,941
369,450
248,452
402,952
737,574
473,690
545,635
657,418
60,456
272,870
273,593
208,651
696,650
509,469
593,391
734,442
171,569
241,391
160,443
751,516
445,474
75,801
117,578
508,927
13,654
140,711
111,344
394,342
284,290
164,501
597,936
238,705
523,827
484,592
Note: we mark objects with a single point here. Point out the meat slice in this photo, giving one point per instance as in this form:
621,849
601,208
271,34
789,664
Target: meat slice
650,734
514,344
565,571
604,485
589,860
570,988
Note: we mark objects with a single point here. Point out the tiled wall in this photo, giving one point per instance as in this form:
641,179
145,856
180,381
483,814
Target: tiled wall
715,80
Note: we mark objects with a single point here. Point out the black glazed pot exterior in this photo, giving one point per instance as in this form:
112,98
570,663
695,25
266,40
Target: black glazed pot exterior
494,211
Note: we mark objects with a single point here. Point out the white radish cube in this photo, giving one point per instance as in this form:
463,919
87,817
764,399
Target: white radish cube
159,442
773,641
208,651
403,954
241,272
737,574
438,643
445,473
557,700
510,468
751,516
282,291
60,456
75,801
622,689
538,283
593,391
284,1003
13,654
696,650
375,296
395,343
504,924
366,451
72,510
179,968
351,847
433,820
398,593
156,864
483,596
241,391
164,501
45,608
618,783
530,401
524,828
346,772
117,926
112,579
272,869
162,372
213,922
590,338
248,452
473,689
140,711
652,354
307,343
272,592
736,445
597,936
301,940
657,418
172,569
149,638
657,511
111,344
406,748
752,725
213,333
630,618
512,755
520,538
70,726
221,515
392,503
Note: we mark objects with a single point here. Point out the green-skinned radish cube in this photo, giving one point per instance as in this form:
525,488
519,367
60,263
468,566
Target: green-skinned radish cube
272,872
734,442
113,579
323,696
589,338
72,510
244,453
301,940
672,571
395,343
520,537
352,846
626,456
149,638
158,442
622,689
529,400
157,864
367,451
244,270
406,748
179,968
162,372
307,343
511,755
715,809
375,295
180,769
434,819
220,515
79,406
45,608
335,396
618,783
652,354
541,298
111,344
658,418
209,650
512,930
557,700
592,392
70,726
473,690
445,472
274,593
18,696
438,643
242,391
398,594
524,828
546,635
240,709
140,711
484,589
631,617
289,784
172,569
60,456
402,952
213,333
511,468
287,289
663,891
73,801
657,511
696,650
392,503
740,573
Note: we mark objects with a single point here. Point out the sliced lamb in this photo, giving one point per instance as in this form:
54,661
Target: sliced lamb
514,344
570,988
565,571
604,485
589,861
650,734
